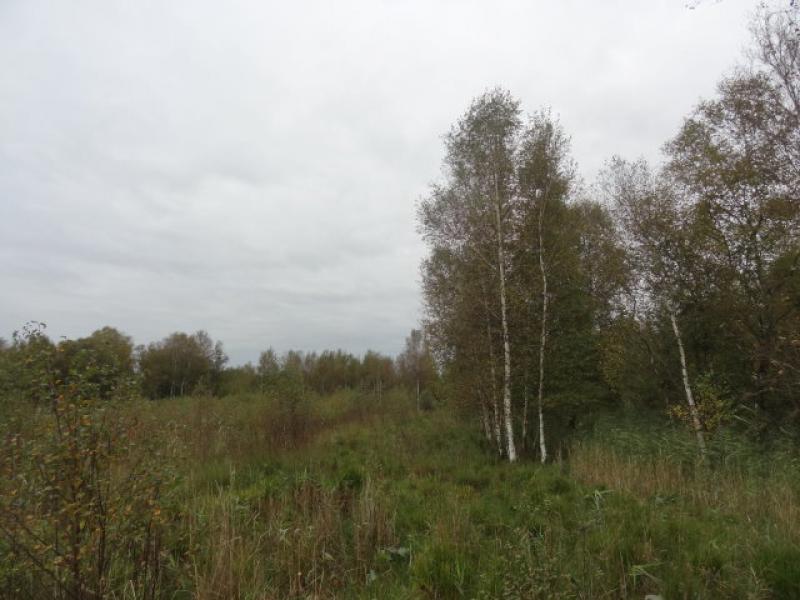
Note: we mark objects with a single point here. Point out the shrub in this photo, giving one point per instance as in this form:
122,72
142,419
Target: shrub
426,400
81,511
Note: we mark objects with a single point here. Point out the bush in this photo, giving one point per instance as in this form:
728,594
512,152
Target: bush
81,495
426,400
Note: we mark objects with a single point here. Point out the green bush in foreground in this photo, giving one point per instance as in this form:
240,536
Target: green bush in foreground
81,492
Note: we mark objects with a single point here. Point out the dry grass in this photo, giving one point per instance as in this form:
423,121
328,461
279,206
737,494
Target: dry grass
206,429
300,537
308,541
771,498
233,566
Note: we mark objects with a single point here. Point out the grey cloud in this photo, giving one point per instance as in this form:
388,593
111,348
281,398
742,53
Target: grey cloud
252,168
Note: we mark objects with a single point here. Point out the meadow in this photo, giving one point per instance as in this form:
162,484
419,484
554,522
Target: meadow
351,496
600,397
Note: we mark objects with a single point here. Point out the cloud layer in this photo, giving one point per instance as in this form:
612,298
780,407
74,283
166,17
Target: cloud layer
252,168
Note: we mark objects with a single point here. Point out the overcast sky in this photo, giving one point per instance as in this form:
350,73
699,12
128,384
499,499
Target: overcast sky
252,168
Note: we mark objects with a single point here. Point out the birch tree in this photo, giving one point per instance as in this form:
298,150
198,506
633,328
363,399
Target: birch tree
661,253
736,162
459,329
502,238
545,174
473,211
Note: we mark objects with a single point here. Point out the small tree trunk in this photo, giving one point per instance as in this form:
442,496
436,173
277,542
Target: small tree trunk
543,335
525,412
507,416
487,429
693,412
498,434
493,374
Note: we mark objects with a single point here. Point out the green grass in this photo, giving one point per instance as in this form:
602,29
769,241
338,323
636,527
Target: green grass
380,501
395,504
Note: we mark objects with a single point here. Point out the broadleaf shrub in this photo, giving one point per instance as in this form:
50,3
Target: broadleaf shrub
81,495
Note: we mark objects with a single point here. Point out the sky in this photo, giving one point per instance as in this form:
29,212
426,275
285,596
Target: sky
253,168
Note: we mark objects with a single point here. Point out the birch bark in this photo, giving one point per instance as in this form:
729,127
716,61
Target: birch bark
543,335
693,412
495,409
507,409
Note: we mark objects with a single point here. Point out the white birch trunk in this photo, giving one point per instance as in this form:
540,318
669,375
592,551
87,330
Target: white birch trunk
498,434
493,374
509,425
693,412
543,335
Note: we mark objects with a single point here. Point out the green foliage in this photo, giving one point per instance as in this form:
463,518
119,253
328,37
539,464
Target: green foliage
236,381
734,161
780,568
714,405
427,400
81,492
416,368
24,368
181,364
103,360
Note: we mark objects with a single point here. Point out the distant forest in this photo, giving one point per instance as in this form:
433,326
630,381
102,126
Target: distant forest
194,364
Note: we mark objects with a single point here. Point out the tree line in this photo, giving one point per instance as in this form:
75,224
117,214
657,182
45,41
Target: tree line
184,364
676,288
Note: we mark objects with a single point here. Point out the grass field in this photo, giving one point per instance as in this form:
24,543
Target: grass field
346,497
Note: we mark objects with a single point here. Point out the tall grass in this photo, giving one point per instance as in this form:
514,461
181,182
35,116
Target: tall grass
747,496
355,496
652,461
255,522
307,540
